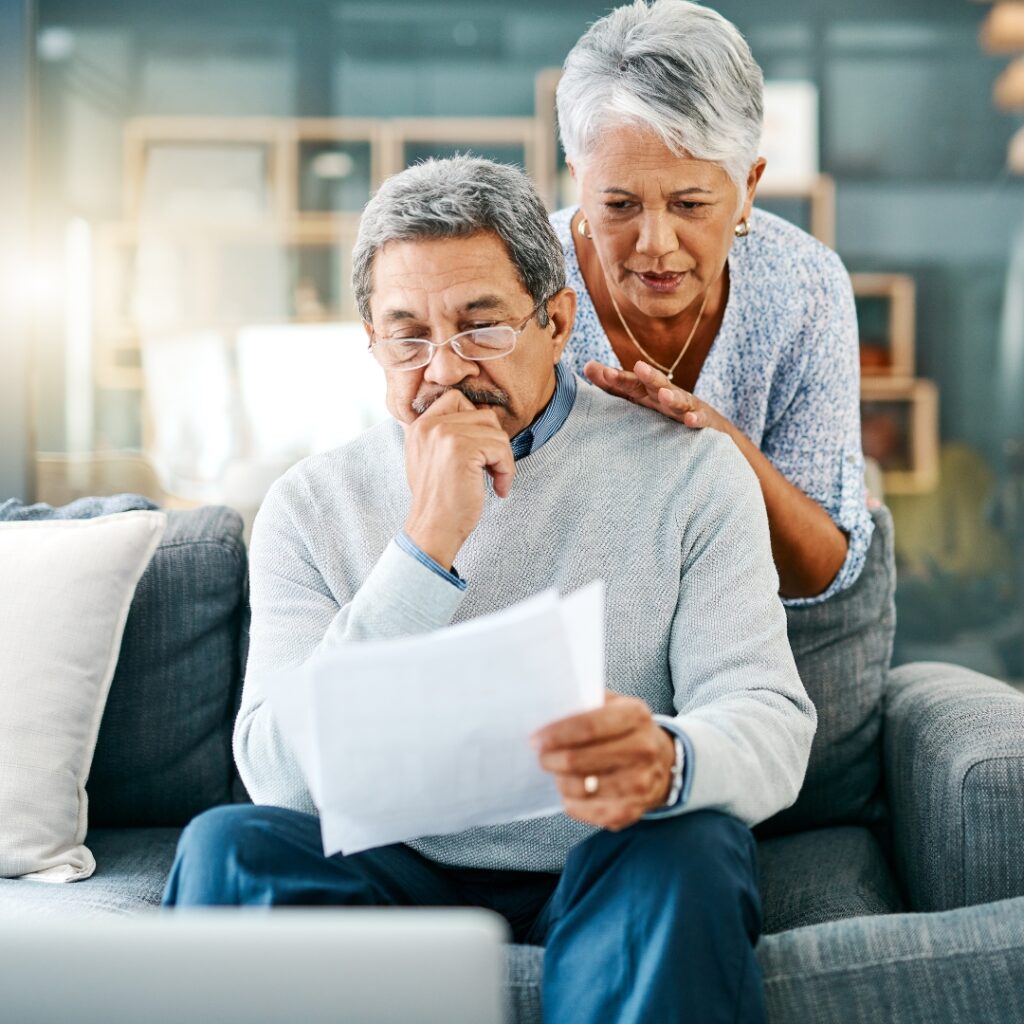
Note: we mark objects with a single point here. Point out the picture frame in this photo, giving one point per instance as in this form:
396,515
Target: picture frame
886,306
900,431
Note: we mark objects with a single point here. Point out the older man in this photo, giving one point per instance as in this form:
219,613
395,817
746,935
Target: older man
501,475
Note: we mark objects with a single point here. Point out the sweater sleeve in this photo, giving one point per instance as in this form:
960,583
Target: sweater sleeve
737,692
816,443
295,617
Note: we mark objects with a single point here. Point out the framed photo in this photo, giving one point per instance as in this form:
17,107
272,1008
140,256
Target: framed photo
900,431
885,317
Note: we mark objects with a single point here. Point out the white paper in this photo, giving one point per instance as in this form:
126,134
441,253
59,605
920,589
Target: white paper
429,734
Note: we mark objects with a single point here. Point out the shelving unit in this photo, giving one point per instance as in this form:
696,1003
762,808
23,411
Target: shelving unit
266,237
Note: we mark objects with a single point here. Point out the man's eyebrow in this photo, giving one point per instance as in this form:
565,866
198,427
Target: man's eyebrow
393,315
485,303
693,190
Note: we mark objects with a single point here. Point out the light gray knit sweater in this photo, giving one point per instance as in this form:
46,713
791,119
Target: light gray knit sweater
671,519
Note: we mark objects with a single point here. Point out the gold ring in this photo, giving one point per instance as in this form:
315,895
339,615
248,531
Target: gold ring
591,784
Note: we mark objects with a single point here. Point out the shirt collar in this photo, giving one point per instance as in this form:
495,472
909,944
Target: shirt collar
549,421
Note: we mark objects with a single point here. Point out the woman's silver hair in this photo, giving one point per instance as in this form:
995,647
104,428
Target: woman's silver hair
674,67
455,198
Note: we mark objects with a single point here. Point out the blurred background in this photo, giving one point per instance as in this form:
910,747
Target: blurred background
180,185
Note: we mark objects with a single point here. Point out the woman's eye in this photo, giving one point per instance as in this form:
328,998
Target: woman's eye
687,204
618,204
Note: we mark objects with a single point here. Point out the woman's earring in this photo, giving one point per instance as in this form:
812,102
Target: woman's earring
743,228
582,227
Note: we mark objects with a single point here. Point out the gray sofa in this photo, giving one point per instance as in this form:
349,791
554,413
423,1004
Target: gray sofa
893,890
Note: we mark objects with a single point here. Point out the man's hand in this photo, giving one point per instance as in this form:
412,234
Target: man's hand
623,748
447,451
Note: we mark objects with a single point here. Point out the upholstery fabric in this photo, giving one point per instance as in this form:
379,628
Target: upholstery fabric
65,591
960,967
824,875
954,759
131,868
164,750
842,649
14,511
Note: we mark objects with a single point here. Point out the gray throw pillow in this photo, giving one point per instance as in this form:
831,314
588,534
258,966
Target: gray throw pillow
842,648
164,748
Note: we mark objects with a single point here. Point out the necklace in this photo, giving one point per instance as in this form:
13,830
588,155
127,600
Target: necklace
667,370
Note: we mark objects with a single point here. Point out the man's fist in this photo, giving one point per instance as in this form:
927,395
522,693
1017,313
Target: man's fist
447,451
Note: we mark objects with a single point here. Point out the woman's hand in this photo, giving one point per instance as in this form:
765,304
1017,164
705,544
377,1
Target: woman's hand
649,387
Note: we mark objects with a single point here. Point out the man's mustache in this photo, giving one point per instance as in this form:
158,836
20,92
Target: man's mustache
496,397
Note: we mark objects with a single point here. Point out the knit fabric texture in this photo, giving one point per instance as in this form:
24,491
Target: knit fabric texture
784,367
672,521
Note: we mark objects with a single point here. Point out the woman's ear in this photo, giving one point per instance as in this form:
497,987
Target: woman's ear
753,179
561,316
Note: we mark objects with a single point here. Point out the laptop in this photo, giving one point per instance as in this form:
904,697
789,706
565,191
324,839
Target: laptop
250,966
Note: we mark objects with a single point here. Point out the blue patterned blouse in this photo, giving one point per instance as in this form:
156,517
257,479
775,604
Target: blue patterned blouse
784,367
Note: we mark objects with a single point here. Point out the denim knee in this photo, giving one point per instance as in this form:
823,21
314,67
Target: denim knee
703,848
215,833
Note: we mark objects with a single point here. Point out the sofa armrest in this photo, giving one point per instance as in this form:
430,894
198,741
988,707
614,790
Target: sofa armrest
954,770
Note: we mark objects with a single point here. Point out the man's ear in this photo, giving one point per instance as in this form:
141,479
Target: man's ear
561,316
368,327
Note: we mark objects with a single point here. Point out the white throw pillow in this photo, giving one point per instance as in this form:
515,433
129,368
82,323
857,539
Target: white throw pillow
65,589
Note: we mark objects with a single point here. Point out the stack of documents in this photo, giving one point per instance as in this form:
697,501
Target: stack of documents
430,734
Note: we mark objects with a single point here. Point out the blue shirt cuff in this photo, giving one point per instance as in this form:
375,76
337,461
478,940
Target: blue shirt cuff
672,726
403,541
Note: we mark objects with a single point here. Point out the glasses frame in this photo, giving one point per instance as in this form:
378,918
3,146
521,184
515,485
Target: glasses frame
433,346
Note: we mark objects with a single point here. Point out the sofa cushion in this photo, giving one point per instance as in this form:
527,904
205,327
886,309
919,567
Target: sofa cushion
806,879
960,967
823,875
164,748
132,865
842,648
65,591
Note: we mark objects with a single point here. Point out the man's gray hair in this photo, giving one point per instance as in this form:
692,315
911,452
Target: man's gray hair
674,67
455,198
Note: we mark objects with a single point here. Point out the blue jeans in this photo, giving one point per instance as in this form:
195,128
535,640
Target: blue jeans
655,923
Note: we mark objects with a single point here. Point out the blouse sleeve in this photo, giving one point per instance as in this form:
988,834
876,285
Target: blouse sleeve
814,441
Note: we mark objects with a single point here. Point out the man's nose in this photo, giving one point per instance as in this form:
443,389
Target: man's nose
447,367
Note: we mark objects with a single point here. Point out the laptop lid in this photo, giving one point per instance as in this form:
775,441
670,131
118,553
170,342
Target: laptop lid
251,966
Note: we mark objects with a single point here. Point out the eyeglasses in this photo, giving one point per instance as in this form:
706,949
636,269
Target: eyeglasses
479,345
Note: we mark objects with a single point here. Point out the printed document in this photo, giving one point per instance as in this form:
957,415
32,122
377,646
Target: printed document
429,734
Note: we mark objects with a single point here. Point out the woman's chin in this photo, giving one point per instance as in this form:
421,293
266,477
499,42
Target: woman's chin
662,303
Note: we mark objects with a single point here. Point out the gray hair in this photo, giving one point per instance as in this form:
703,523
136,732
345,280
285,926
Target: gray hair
455,198
675,67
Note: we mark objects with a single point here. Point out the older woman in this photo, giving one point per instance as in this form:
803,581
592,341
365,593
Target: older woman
730,318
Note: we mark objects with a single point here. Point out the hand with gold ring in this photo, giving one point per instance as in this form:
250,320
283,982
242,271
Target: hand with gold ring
612,765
